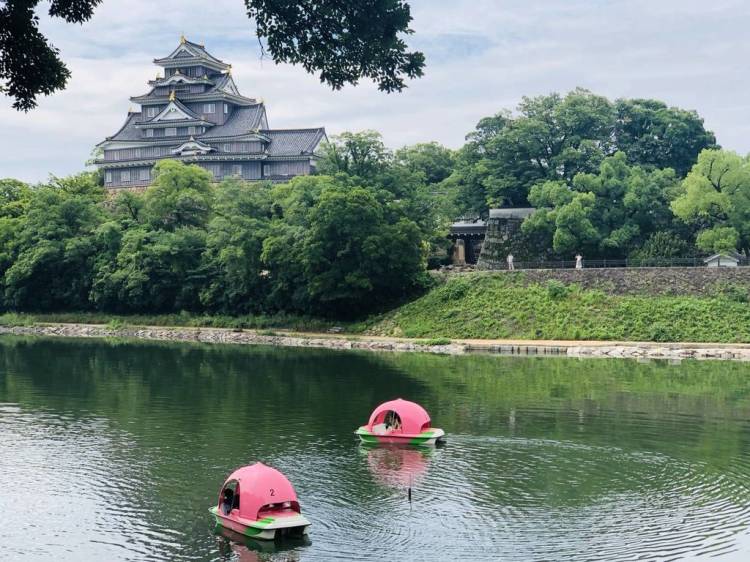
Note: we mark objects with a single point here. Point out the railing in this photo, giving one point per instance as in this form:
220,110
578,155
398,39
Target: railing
617,263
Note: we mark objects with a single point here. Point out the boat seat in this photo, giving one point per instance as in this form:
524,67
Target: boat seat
380,429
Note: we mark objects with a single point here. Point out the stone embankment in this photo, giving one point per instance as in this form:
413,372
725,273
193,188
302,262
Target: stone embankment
228,336
632,350
674,281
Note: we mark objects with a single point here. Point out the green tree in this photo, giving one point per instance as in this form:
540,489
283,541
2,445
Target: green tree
153,271
434,161
343,251
552,138
652,134
15,197
237,281
607,214
55,246
343,41
720,239
556,138
661,245
716,195
180,195
360,154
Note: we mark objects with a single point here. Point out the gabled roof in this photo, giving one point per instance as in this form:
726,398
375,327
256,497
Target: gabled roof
176,111
242,121
180,79
189,50
730,256
294,142
192,146
226,84
128,131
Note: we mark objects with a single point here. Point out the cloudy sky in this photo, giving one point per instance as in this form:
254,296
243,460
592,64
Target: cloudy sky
482,56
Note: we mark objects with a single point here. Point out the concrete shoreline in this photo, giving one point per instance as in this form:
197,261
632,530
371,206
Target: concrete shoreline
282,338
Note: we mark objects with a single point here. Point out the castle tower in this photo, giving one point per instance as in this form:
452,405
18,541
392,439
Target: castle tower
194,112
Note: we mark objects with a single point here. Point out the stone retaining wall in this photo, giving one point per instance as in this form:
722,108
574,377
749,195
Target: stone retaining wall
635,350
701,281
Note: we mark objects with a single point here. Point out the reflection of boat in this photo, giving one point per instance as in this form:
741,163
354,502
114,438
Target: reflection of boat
400,421
398,467
246,548
259,502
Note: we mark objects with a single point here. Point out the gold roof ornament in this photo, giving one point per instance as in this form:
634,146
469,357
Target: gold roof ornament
182,39
171,95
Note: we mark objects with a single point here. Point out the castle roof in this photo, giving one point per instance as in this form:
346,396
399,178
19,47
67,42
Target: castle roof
243,118
293,142
188,52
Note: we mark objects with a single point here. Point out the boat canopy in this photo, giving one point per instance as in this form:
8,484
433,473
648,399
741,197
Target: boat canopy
414,418
260,488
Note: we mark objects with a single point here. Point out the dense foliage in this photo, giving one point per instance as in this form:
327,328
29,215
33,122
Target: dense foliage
344,41
324,245
554,138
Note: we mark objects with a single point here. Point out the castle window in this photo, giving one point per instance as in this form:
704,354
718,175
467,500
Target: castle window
125,176
236,169
191,130
149,133
227,147
226,108
151,112
143,174
209,108
266,170
170,132
108,177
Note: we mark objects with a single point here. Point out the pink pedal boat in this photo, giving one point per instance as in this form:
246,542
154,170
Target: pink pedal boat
259,502
400,422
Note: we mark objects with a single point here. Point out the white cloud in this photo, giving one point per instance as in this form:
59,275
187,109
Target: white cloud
482,56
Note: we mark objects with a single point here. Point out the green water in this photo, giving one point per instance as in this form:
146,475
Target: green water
115,451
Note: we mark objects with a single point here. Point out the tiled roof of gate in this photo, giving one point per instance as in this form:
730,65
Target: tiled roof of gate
293,142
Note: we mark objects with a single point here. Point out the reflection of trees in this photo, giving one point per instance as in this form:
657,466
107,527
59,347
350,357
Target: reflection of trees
700,405
555,431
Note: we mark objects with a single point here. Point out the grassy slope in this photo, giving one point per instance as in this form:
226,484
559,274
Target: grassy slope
487,306
496,306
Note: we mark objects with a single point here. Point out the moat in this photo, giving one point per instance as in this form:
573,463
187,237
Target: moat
114,451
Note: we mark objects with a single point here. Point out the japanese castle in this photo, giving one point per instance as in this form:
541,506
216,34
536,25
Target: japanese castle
195,113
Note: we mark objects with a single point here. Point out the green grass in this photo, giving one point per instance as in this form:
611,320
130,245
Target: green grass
16,319
487,306
116,321
491,306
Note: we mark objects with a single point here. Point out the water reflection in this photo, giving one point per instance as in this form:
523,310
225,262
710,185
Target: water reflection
396,466
236,547
127,445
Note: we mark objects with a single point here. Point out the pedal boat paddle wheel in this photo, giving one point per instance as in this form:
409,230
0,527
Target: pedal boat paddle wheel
258,501
400,422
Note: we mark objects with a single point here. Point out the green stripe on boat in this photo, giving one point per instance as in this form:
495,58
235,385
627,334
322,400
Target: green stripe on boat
421,438
259,526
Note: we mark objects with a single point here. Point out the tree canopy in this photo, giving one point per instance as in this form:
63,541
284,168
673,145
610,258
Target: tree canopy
330,245
343,41
554,138
715,199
